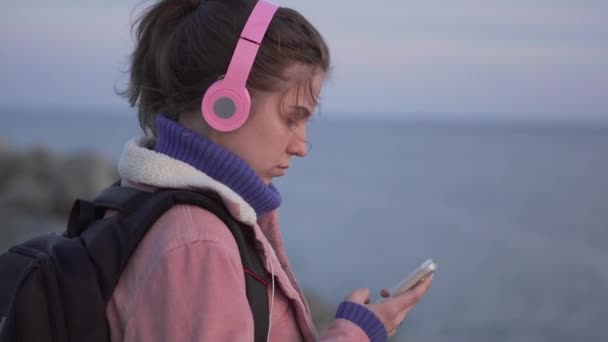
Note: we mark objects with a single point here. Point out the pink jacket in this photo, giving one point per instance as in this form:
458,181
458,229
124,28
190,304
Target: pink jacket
185,281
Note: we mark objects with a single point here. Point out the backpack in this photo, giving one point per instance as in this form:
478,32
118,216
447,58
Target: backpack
55,287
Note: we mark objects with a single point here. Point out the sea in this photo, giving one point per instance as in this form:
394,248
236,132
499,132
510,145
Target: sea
514,214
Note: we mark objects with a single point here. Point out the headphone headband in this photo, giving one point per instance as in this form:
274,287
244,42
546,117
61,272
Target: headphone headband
249,43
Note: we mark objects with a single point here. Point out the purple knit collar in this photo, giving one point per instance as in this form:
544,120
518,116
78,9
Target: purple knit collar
183,144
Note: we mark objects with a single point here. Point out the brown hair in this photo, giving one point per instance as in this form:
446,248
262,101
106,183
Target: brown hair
183,46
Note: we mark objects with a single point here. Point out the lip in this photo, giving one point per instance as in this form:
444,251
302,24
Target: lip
280,170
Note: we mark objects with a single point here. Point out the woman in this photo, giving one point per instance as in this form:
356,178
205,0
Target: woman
191,77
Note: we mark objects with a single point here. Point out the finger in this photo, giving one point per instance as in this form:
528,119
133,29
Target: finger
396,327
425,284
401,317
413,296
419,291
360,296
398,321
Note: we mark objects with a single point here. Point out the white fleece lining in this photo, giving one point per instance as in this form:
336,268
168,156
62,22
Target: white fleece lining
142,165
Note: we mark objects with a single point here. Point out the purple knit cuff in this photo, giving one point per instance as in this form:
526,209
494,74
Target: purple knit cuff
364,318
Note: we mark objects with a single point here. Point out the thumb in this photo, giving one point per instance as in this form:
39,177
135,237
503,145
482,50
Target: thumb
360,296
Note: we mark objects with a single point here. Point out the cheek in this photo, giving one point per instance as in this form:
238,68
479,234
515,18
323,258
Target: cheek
263,145
269,131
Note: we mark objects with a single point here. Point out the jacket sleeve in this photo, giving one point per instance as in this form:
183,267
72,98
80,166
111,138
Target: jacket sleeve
355,322
188,300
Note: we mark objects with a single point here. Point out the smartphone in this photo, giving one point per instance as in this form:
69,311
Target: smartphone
419,274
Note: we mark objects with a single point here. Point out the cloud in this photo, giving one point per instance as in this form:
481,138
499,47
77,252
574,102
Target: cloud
470,56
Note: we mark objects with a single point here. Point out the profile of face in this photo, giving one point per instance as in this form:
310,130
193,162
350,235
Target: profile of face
276,128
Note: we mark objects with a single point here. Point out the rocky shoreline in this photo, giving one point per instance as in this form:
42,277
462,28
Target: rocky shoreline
38,188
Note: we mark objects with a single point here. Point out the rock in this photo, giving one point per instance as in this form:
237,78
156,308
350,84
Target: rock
19,225
38,187
26,194
39,179
8,167
322,312
81,176
3,145
37,164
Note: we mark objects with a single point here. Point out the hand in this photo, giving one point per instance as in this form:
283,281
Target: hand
392,311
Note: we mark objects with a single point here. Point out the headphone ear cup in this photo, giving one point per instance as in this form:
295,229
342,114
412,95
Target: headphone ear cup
225,108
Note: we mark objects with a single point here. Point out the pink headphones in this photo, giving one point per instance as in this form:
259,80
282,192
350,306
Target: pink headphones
226,103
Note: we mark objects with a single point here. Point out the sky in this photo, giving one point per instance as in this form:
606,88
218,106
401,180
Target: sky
518,59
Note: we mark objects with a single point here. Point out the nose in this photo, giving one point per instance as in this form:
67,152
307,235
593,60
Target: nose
298,145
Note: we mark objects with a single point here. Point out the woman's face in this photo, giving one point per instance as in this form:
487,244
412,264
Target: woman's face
276,128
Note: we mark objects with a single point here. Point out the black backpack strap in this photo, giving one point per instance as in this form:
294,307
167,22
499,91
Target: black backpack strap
138,210
121,198
115,197
82,214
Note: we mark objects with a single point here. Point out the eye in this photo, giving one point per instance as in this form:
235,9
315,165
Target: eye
297,116
291,122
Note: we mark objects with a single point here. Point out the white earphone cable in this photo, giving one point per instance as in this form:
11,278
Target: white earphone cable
271,298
